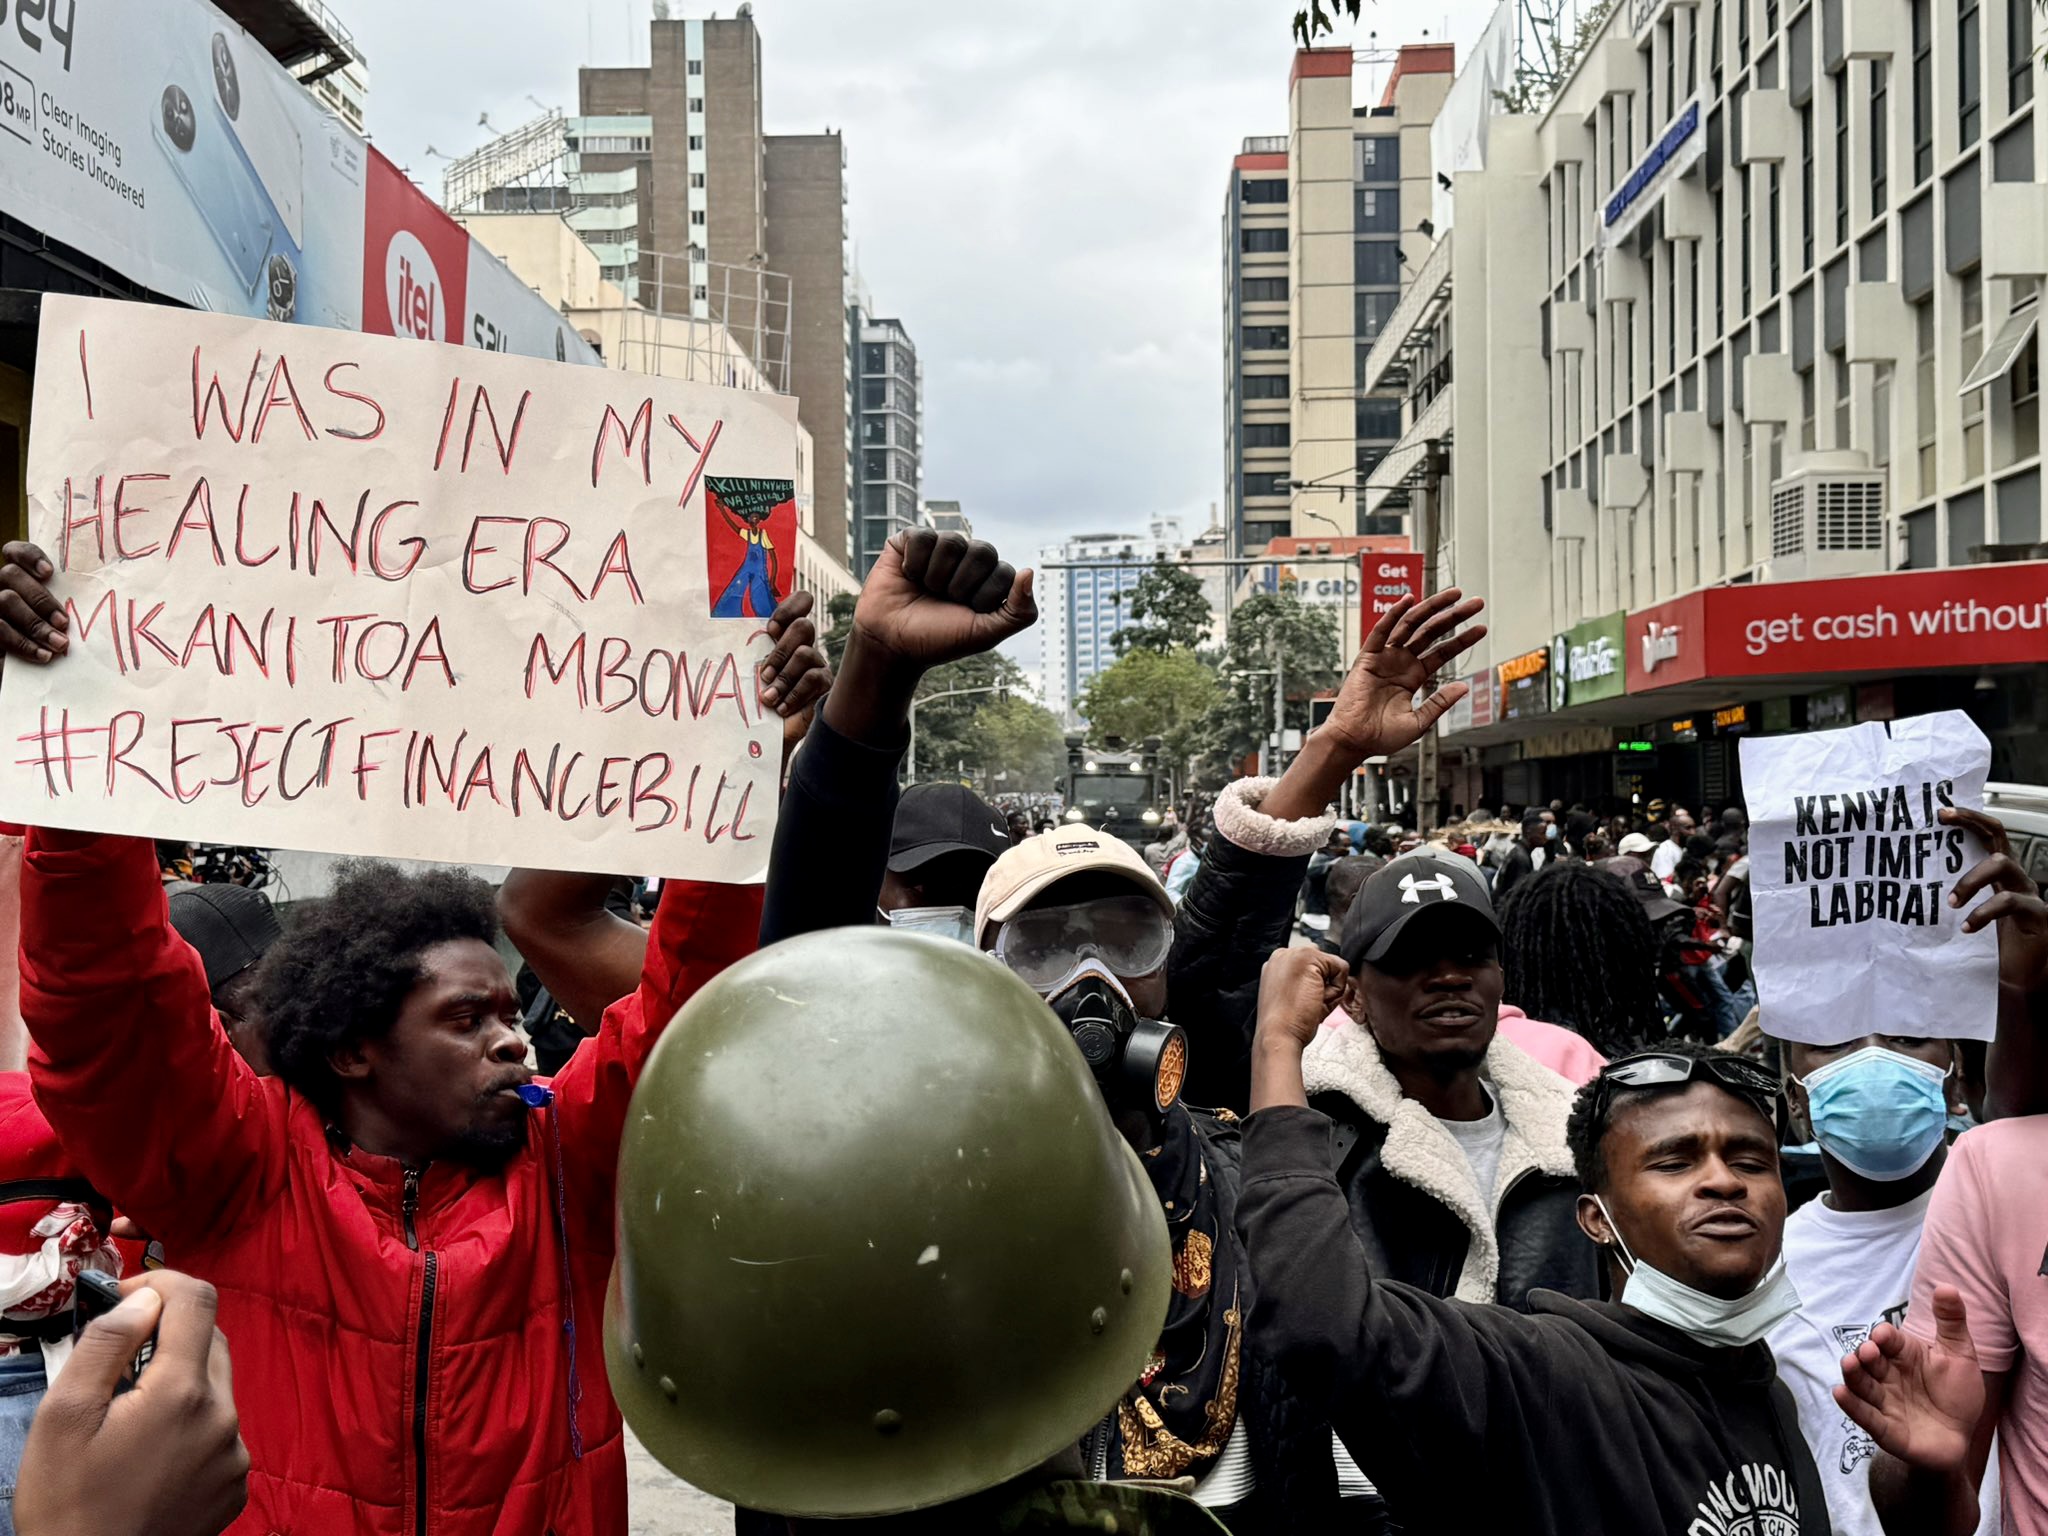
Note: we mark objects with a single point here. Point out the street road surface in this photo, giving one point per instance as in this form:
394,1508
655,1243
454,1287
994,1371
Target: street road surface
661,1504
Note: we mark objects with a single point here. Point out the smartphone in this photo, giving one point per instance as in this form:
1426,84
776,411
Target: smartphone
263,126
214,170
95,1295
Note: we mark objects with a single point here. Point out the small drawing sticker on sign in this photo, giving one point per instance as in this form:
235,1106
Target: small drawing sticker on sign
750,539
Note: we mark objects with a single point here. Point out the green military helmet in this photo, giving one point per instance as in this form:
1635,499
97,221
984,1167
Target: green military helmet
879,1245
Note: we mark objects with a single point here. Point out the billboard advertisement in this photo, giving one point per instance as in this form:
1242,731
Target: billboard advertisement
1972,616
162,140
1388,579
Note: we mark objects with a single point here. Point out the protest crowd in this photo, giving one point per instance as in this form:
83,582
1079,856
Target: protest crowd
978,1174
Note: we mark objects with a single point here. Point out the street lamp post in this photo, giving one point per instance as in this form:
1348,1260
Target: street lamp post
932,698
1268,755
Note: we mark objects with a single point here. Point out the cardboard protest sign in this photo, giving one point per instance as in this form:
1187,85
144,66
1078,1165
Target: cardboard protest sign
1851,869
361,595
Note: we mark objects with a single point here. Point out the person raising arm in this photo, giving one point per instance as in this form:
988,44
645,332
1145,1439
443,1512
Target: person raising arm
1240,907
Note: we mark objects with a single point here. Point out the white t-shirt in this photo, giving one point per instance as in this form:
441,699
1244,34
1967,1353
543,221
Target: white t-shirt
1664,858
1853,1270
1480,1140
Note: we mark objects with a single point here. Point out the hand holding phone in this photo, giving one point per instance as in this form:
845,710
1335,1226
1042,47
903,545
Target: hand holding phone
97,1295
163,1458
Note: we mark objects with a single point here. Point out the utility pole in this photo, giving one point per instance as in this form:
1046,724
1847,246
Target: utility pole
910,775
1427,750
1279,703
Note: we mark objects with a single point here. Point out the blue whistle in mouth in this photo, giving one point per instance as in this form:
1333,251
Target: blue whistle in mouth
533,1096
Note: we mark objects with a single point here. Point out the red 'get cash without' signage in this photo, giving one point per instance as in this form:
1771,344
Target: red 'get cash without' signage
1979,615
312,574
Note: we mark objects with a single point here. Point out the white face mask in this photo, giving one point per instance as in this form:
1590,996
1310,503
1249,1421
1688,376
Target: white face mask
1709,1319
955,923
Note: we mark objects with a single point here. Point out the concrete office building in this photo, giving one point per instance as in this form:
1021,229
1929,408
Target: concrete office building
946,517
888,434
548,255
1783,469
716,199
1321,229
1084,590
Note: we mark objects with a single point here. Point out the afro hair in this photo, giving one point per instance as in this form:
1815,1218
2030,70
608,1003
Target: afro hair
344,969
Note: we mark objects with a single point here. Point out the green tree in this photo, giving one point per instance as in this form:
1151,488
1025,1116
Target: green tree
1169,609
1019,745
1162,693
1274,625
1318,17
946,744
836,625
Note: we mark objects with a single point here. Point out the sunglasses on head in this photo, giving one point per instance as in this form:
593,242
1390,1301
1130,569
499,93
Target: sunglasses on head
1740,1075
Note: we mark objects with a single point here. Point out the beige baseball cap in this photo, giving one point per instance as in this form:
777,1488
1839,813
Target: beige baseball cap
1037,862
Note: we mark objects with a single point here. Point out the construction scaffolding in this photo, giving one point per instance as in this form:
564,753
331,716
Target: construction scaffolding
705,320
533,155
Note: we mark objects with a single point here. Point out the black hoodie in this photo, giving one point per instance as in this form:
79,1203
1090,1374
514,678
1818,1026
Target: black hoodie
1573,1418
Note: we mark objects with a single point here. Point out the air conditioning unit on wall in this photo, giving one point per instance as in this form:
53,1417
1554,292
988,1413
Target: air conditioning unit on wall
1826,521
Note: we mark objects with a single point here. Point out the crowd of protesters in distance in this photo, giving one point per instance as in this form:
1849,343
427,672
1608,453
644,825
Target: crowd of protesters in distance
1492,1203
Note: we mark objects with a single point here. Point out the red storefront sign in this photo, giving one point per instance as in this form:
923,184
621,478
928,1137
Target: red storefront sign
1969,616
1481,684
1383,581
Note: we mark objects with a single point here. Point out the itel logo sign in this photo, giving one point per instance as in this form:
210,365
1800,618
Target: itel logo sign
415,260
413,289
1660,644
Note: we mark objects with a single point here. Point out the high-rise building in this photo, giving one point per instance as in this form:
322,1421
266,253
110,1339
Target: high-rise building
1321,230
807,239
1084,593
946,517
888,434
727,223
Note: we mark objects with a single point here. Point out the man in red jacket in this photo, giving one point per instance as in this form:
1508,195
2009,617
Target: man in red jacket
411,1263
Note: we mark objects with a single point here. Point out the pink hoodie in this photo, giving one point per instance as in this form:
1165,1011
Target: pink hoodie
1569,1055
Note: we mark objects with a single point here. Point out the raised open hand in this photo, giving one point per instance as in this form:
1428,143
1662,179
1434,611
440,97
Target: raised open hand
1376,713
936,597
1919,1401
2015,902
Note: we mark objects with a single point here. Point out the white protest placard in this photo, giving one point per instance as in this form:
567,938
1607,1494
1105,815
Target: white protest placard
358,594
1850,871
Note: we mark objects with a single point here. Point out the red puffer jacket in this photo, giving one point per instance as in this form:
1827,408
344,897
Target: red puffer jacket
402,1344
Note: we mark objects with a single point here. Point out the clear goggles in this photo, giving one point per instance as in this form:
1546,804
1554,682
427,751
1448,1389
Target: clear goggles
1129,935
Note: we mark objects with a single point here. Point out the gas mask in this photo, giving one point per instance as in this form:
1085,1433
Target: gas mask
1139,1064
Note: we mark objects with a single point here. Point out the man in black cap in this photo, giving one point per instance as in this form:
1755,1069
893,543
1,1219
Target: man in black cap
942,843
1449,1141
231,926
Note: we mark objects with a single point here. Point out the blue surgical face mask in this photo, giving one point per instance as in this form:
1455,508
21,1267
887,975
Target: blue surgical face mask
1877,1112
941,922
1709,1319
1550,832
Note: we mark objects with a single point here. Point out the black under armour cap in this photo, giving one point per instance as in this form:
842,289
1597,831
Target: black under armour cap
937,819
1428,880
230,925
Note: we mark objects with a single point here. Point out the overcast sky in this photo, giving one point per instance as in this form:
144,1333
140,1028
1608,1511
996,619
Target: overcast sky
1037,192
